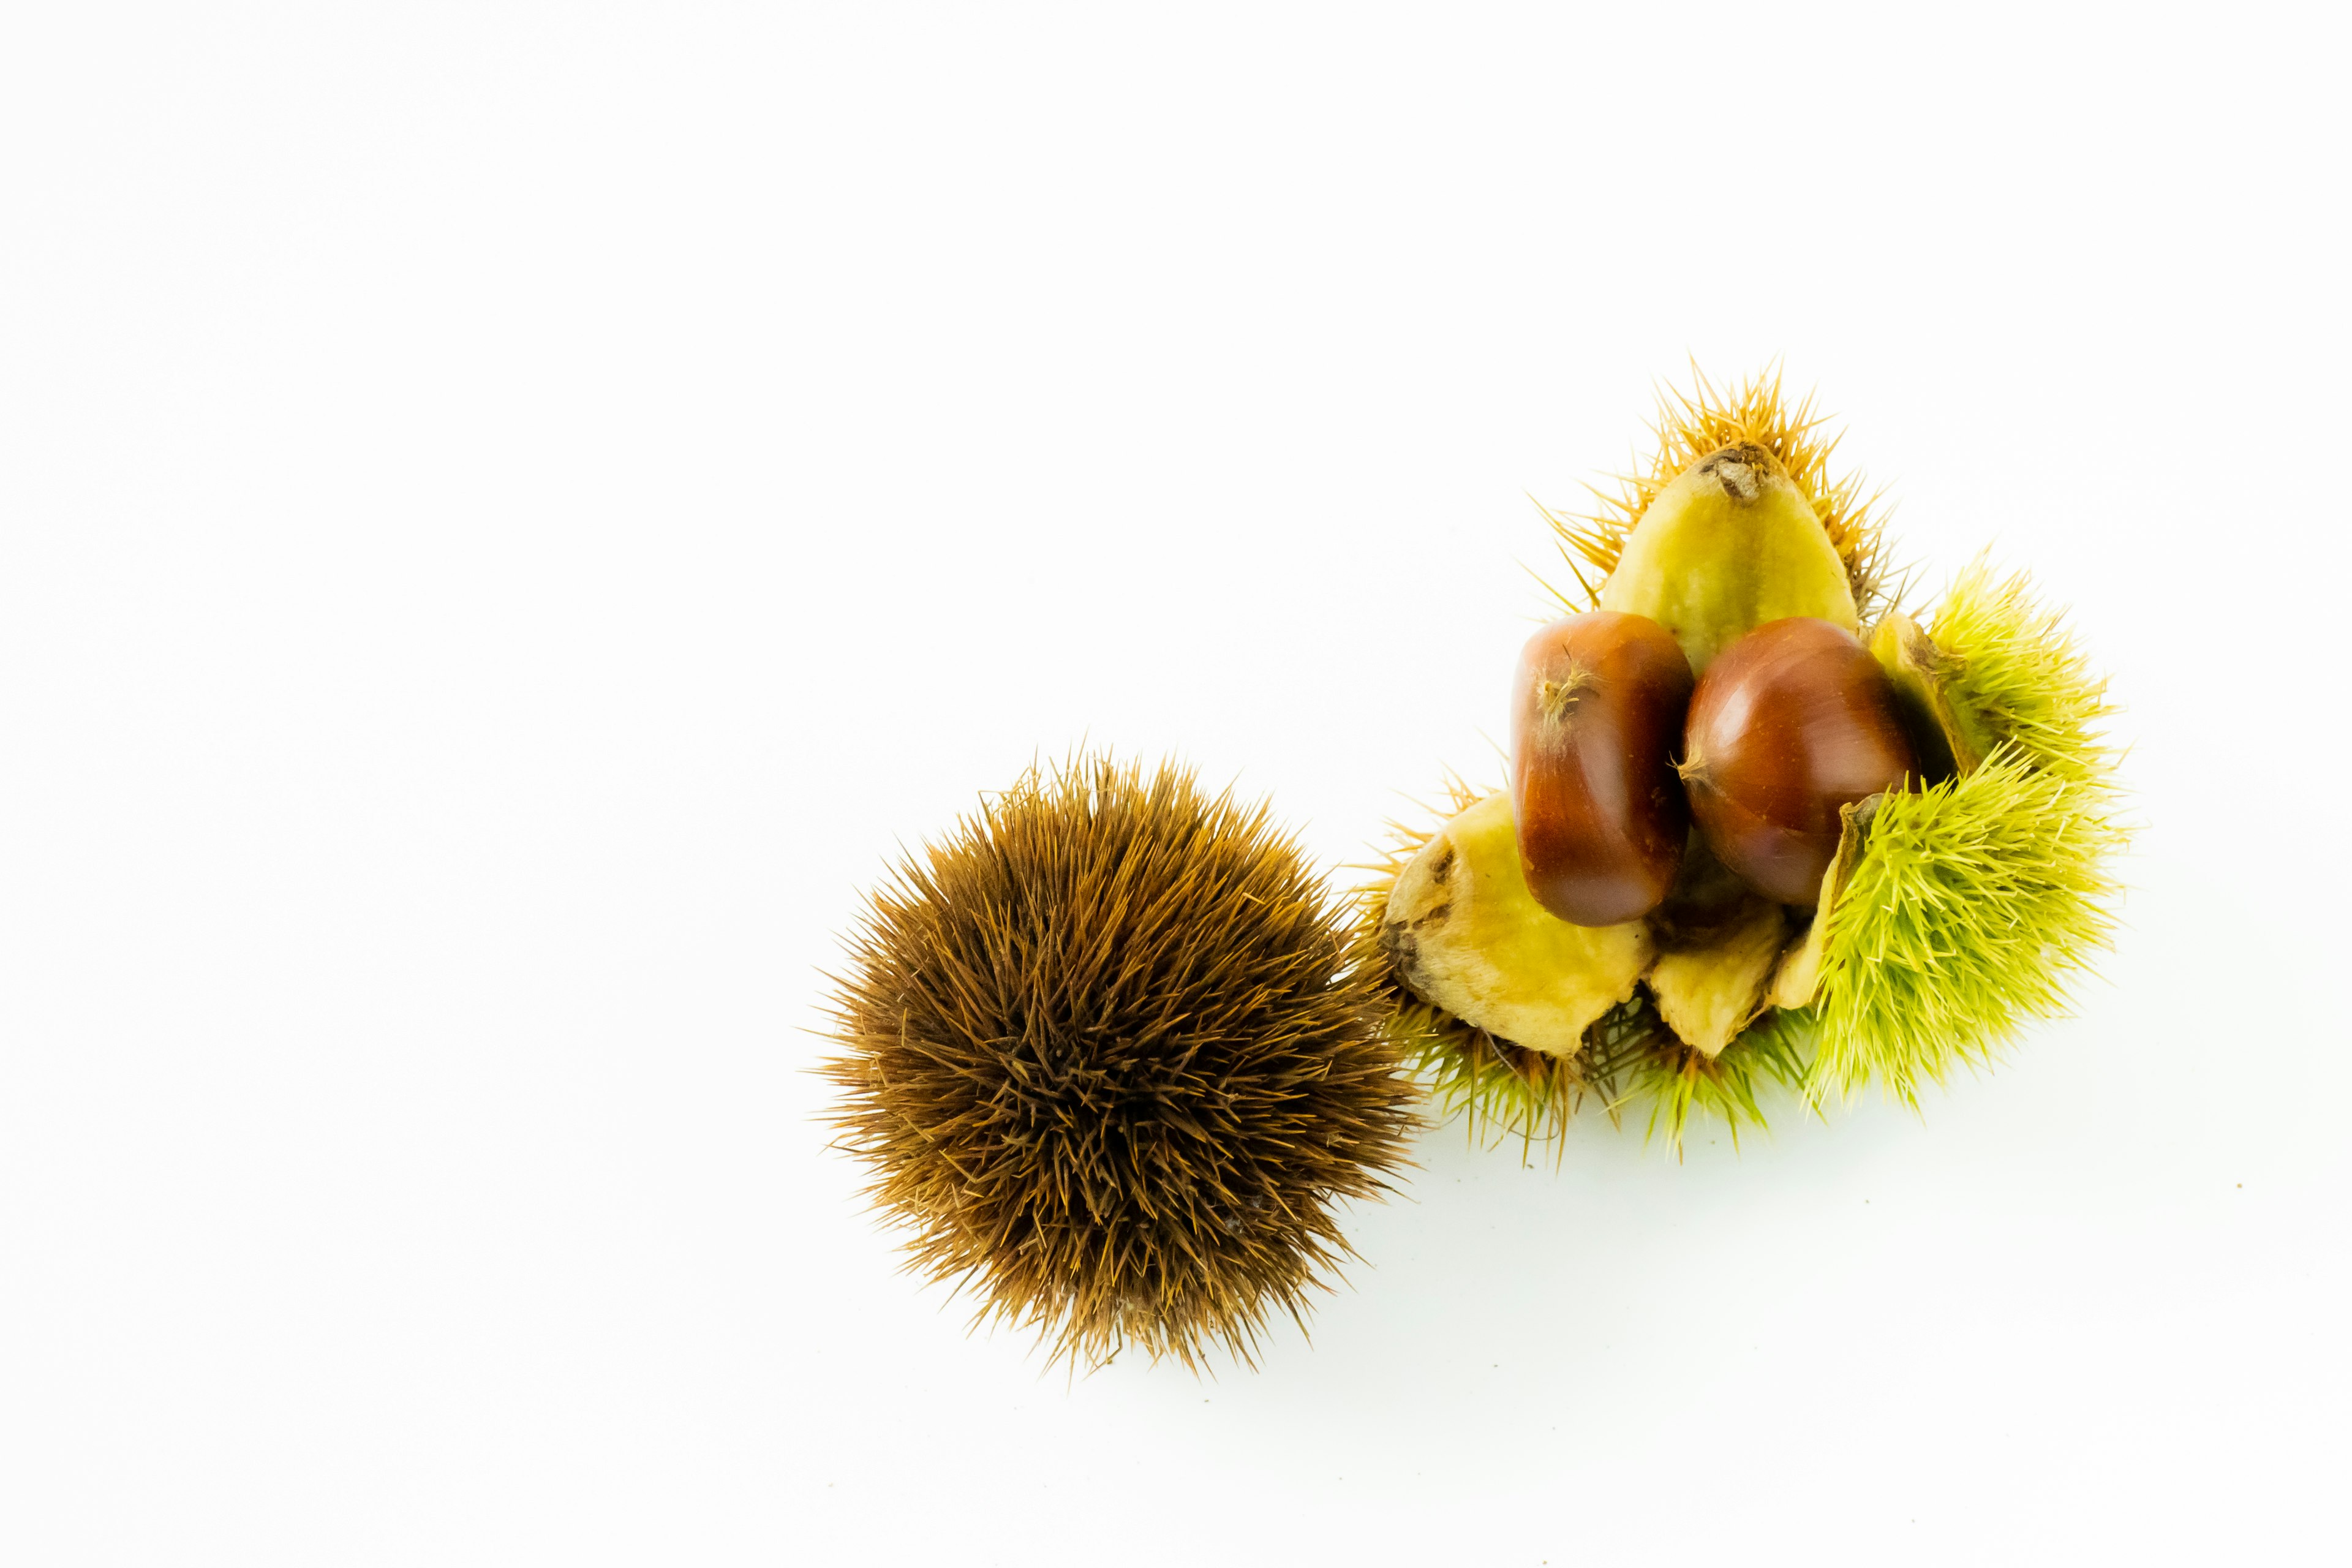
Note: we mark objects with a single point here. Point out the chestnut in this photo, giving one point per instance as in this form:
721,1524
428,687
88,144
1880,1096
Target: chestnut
1596,705
1789,723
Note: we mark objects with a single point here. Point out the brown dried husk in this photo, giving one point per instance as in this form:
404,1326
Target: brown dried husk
1108,1056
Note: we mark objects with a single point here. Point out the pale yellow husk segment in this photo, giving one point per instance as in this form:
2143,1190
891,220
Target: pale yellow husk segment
1798,980
1691,427
1463,932
1728,546
1707,996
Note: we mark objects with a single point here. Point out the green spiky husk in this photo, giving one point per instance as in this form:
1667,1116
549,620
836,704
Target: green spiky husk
1629,1063
1629,1059
1981,899
1500,1087
1683,1087
2014,662
1503,1090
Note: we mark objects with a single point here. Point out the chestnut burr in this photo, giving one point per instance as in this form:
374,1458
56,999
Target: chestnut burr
1597,701
1789,723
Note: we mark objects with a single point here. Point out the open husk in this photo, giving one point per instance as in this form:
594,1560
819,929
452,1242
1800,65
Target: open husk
1958,909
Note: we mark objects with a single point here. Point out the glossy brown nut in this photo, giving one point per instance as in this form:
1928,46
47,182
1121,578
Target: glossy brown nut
1791,722
1596,707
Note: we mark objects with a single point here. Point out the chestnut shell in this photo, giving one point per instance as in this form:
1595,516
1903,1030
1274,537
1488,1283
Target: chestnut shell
1597,704
1789,723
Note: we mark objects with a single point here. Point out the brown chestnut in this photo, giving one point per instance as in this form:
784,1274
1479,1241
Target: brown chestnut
1791,722
1596,705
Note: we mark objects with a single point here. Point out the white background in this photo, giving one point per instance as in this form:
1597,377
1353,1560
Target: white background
509,516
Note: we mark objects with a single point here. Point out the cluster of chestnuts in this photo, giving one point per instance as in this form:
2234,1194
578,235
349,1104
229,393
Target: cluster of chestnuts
1616,753
1761,823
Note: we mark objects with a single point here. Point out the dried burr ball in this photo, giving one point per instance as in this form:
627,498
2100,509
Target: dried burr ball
1106,1057
1597,704
1791,722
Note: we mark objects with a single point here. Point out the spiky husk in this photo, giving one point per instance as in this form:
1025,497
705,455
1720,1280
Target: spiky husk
1110,1058
2014,663
1691,426
1500,1088
1685,1088
1504,1091
1981,899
